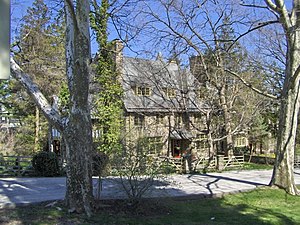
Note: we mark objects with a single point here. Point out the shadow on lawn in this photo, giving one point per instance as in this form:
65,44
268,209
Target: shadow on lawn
166,211
190,210
161,211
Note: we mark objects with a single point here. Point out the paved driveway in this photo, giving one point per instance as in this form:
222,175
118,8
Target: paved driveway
17,191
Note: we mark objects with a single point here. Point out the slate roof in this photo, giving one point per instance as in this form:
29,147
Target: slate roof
158,75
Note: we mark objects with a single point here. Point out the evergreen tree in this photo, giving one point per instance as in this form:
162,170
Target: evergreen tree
41,53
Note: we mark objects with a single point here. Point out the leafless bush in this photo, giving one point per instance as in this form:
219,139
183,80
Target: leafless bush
137,172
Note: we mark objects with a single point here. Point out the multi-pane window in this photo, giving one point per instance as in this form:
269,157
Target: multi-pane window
169,92
139,120
240,142
197,118
178,119
159,119
201,141
142,91
151,145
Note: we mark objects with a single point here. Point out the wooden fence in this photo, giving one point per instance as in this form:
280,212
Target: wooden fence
169,164
15,166
234,161
202,163
22,166
218,162
199,164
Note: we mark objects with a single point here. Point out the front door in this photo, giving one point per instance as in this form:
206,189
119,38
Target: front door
179,147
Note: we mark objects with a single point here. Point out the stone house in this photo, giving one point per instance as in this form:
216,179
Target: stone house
163,115
161,110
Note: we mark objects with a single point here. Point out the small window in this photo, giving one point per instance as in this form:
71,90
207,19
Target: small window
169,92
3,119
178,119
142,91
146,91
240,142
159,119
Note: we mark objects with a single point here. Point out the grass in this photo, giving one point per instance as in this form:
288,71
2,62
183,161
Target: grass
255,166
263,206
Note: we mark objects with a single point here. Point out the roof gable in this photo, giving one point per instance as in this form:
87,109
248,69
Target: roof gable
159,77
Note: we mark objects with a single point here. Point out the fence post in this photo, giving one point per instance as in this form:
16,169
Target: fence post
220,162
18,165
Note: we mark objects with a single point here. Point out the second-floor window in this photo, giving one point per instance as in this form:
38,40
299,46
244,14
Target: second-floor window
178,119
142,91
170,92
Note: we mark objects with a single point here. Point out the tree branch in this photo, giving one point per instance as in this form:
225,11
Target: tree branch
50,113
280,8
250,85
260,25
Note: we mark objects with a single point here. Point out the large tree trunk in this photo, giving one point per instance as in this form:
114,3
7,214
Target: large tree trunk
78,144
283,174
76,129
78,132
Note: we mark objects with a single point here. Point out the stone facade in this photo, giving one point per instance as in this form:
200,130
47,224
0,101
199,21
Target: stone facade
162,112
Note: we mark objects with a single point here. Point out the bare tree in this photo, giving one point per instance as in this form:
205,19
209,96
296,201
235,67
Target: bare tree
194,29
76,127
287,54
283,174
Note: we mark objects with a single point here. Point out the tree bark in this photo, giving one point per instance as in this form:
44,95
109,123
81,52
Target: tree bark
37,130
283,173
78,132
227,123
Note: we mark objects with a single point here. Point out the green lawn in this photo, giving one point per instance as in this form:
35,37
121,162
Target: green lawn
260,207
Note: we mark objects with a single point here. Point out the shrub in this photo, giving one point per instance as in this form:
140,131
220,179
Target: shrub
45,164
100,161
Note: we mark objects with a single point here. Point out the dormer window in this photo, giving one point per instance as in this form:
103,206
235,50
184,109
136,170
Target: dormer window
142,91
170,92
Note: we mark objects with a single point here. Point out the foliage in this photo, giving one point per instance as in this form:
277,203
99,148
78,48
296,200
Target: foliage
40,51
64,96
100,162
108,98
46,164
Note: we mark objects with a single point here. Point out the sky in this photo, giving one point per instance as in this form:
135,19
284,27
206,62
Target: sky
19,10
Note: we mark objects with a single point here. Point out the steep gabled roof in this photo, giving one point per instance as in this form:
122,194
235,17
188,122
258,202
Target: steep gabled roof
159,77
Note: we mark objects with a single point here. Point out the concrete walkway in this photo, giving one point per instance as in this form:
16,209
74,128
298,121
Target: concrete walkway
19,191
